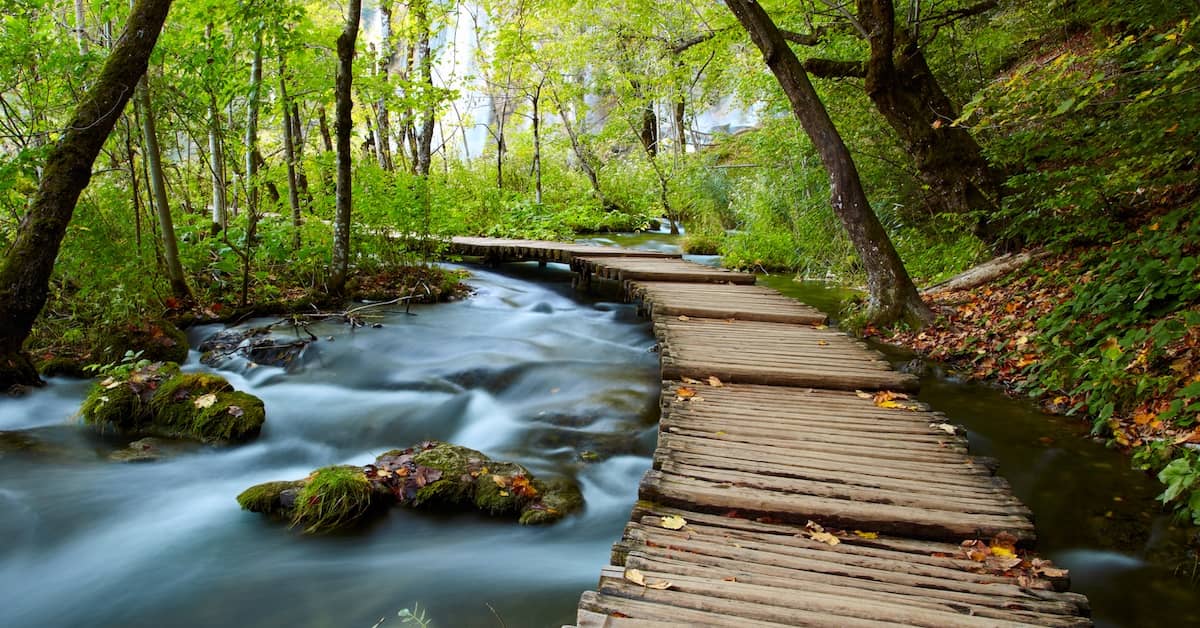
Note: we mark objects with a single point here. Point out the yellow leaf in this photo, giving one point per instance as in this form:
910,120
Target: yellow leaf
205,401
714,382
866,535
822,343
673,522
820,326
688,380
683,392
504,493
826,538
1003,552
636,577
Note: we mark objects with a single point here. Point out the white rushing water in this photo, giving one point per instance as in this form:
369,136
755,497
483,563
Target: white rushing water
523,371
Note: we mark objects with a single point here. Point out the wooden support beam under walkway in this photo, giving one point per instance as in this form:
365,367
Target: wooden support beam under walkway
794,484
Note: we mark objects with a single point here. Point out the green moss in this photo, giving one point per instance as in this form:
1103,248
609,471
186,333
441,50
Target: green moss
119,407
334,498
559,498
236,416
456,464
276,499
61,365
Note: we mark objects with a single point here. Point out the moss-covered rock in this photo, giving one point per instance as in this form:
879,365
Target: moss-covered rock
431,474
158,341
63,366
275,499
161,401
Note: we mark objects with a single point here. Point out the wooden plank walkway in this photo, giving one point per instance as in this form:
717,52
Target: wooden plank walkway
793,484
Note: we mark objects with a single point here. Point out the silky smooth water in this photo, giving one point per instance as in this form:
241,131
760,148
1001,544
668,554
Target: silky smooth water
524,370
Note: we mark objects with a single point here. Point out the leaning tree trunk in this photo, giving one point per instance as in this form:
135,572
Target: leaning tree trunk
580,153
891,293
252,156
343,125
948,159
25,273
535,99
216,156
158,187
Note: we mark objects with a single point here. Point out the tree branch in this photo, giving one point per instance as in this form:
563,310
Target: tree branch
830,68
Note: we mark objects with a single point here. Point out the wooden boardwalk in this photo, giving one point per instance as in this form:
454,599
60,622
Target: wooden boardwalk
794,482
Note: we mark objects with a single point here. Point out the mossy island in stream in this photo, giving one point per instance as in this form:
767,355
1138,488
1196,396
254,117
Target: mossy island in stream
431,474
157,399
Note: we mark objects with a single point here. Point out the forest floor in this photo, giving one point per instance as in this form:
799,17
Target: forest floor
1033,333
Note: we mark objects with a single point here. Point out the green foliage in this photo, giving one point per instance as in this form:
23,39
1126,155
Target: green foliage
1098,134
1182,479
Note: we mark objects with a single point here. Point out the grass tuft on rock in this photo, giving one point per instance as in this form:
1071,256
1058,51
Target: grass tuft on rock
334,498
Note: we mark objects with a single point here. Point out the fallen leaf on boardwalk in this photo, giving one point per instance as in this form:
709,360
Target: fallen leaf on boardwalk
945,427
684,318
730,579
818,533
820,326
688,380
1003,552
205,401
636,577
866,535
863,395
826,538
822,343
683,392
673,522
975,550
714,382
887,395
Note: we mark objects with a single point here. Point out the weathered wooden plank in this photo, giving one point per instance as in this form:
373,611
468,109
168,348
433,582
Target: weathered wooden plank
841,513
639,609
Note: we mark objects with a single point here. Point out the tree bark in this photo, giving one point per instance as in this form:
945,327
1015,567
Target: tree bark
424,152
891,293
298,145
383,137
81,27
158,187
904,90
25,273
343,126
216,156
289,151
252,156
535,99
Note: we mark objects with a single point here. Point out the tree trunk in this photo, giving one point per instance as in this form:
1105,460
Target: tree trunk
681,125
649,130
25,273
580,154
158,187
252,156
891,293
81,27
904,90
343,88
289,152
323,120
298,145
536,99
216,156
383,126
424,149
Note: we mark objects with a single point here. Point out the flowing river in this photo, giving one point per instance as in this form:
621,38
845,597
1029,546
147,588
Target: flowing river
526,370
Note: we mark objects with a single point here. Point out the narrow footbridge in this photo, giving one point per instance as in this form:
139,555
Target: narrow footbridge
795,482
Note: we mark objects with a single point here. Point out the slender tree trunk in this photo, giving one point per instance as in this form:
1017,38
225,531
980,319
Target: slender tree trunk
29,262
891,293
81,26
681,125
289,152
580,154
158,187
252,157
135,193
216,156
383,127
298,146
535,99
343,89
424,155
323,120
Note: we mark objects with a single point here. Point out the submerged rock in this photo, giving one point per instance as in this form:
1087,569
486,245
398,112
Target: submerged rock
147,449
431,474
256,344
160,400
